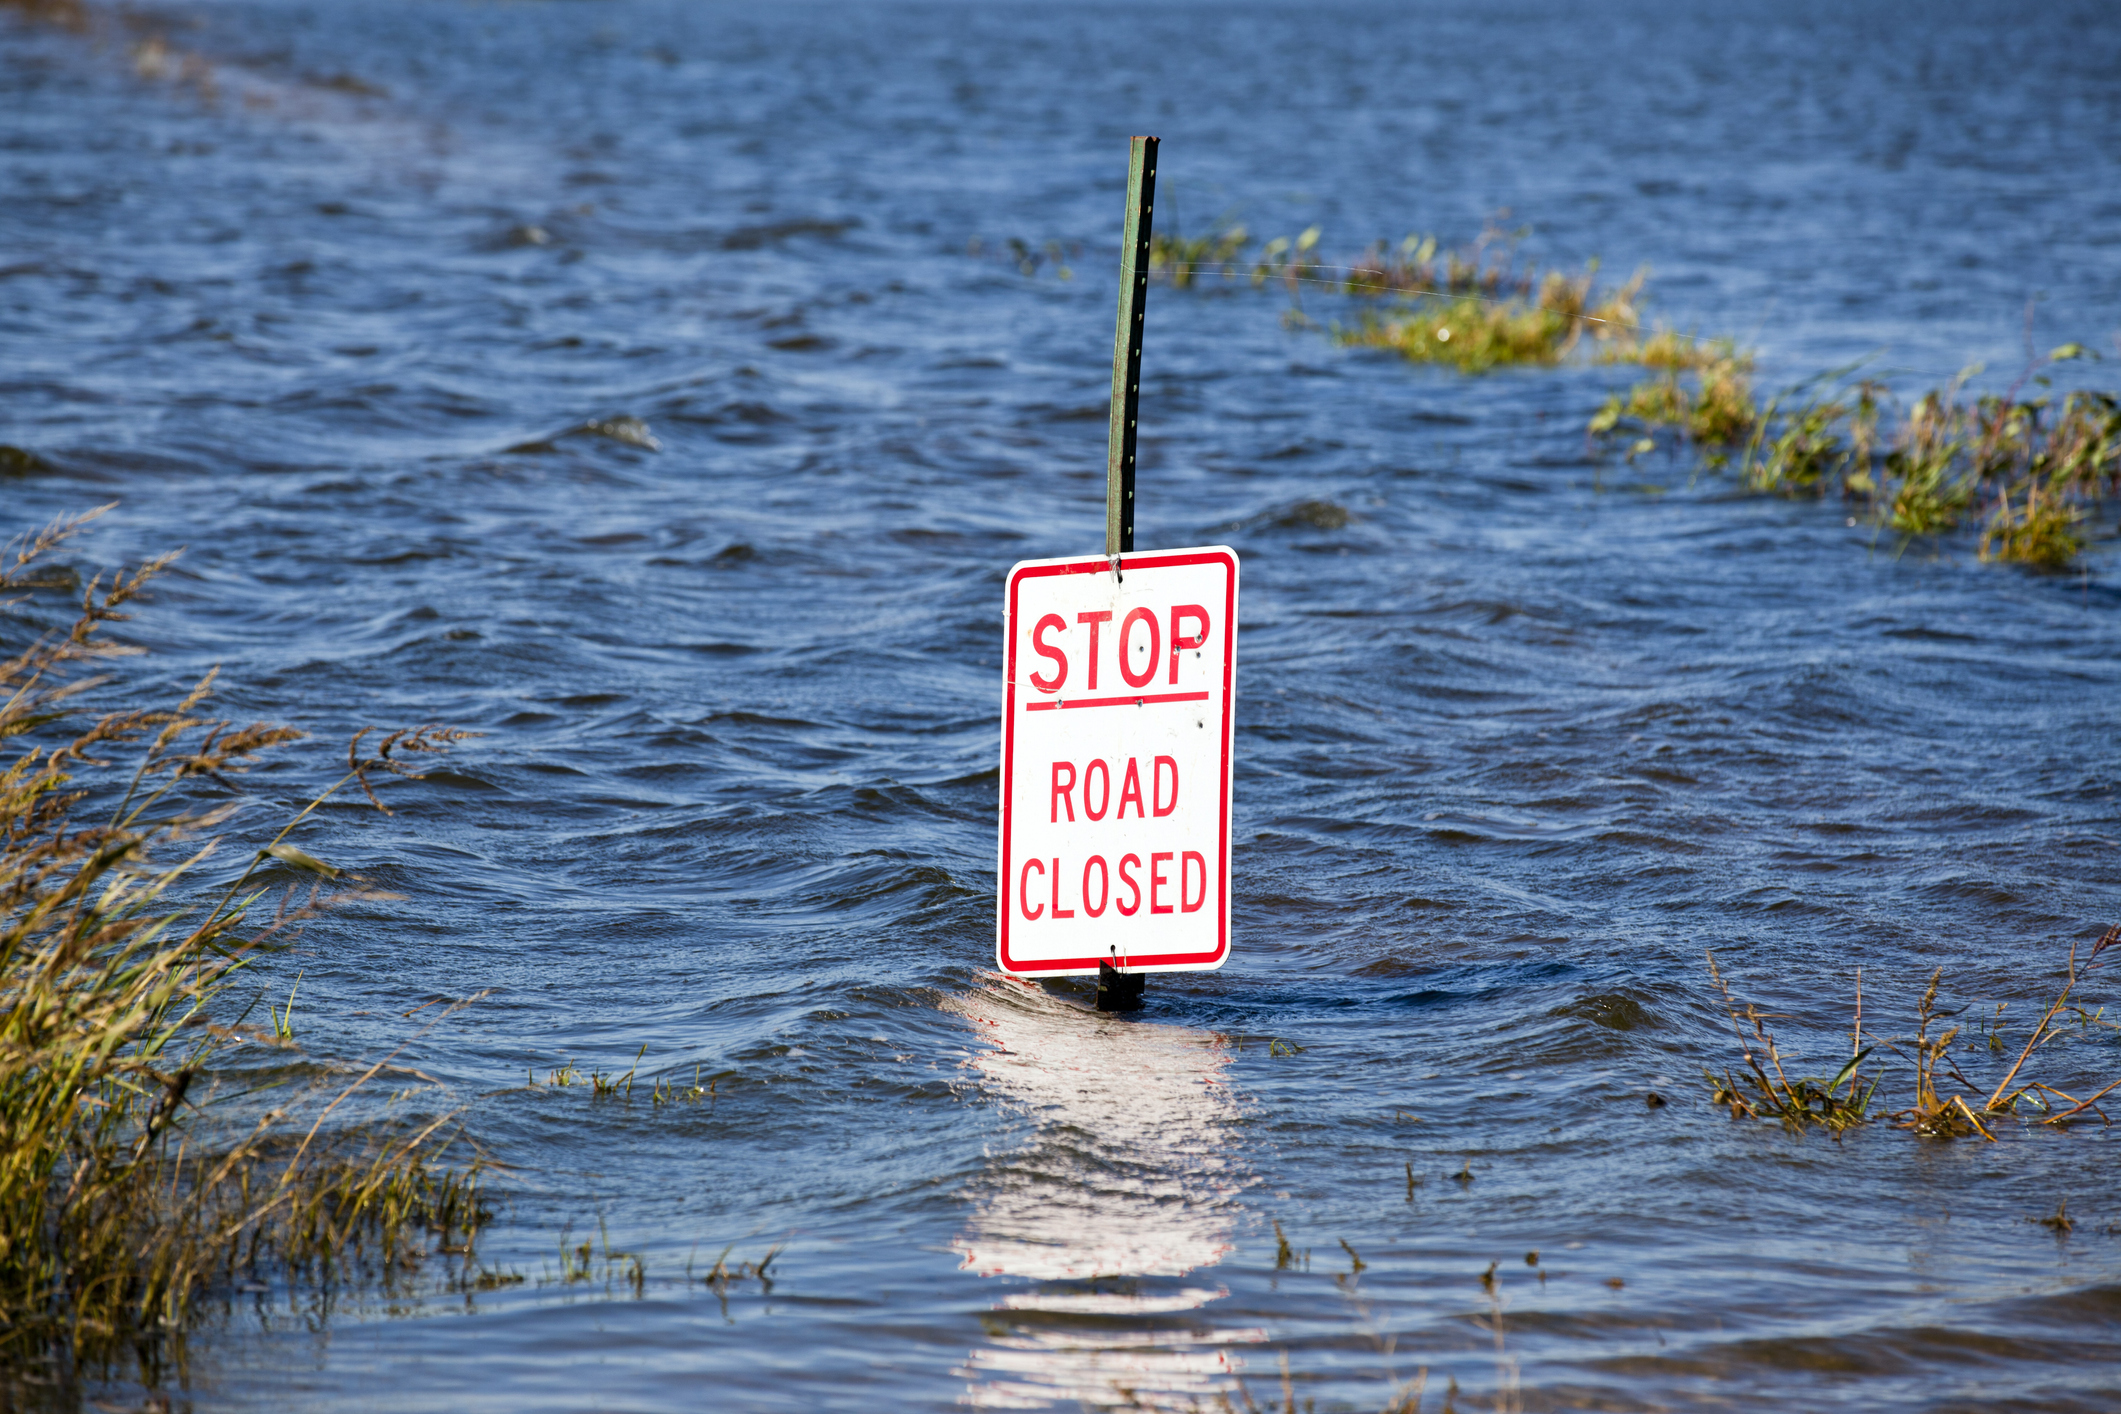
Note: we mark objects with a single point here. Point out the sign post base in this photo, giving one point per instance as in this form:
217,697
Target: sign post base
1117,990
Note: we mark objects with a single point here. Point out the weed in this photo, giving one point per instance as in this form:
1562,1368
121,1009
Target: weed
1475,332
669,1092
1707,394
1029,260
602,1084
1932,491
2003,1098
1474,307
2038,466
1805,449
2083,449
283,1020
1942,1117
721,1274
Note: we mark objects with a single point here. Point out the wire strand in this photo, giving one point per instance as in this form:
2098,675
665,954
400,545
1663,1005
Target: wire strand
1342,282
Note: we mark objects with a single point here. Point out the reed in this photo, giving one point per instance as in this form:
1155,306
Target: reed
136,1178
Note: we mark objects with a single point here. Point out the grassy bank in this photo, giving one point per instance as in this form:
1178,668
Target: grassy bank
154,1149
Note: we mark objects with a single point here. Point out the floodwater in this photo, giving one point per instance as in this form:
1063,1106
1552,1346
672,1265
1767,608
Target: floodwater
331,294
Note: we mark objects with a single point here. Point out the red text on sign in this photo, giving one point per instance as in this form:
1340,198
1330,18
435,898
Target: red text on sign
1154,885
1163,771
1188,626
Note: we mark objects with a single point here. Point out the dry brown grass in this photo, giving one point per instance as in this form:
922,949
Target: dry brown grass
134,1180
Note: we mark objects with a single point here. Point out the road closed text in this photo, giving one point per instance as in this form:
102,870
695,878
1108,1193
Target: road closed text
1048,888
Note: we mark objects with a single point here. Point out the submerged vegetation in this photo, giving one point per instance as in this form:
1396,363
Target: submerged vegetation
1474,333
1474,308
154,1148
1945,1102
2029,469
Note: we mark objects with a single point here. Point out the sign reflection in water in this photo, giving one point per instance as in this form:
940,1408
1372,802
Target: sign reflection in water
1120,1188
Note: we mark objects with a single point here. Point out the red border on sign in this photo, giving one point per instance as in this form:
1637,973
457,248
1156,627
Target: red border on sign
1135,961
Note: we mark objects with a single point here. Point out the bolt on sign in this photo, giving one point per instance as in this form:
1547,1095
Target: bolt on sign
1117,717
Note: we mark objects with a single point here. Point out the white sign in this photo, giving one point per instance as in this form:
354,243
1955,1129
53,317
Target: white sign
1117,718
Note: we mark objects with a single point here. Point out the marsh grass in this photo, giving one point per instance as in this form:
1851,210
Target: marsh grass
1542,321
1946,1103
1705,390
2039,466
1473,307
139,1173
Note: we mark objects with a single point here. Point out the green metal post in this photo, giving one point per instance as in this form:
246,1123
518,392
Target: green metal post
1127,348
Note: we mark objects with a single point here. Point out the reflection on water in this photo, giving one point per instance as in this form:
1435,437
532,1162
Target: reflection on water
1121,1185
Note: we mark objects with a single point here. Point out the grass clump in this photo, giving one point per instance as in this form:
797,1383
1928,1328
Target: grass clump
133,1182
1765,1091
1705,390
1475,333
1946,1103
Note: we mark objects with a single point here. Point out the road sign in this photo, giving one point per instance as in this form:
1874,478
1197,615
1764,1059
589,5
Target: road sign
1118,706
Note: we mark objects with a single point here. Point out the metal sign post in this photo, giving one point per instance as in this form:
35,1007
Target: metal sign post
1118,725
1116,990
1127,349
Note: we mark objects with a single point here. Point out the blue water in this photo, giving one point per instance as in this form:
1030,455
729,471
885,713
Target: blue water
329,294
